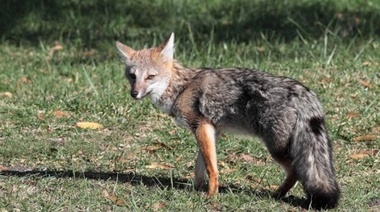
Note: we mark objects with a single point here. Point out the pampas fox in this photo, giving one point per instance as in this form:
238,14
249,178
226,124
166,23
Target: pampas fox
282,112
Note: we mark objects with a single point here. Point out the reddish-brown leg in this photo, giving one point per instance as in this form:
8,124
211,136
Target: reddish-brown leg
206,138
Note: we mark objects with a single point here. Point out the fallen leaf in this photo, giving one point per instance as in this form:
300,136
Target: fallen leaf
89,125
365,138
247,158
353,115
159,166
60,114
6,94
68,80
354,96
41,116
89,53
57,141
190,175
159,206
376,130
222,164
273,187
117,201
367,63
260,49
232,158
250,159
364,153
156,146
25,80
252,178
372,152
365,83
172,132
227,170
325,80
152,148
358,156
370,63
106,194
55,48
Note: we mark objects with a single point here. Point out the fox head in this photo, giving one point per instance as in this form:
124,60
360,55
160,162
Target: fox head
148,70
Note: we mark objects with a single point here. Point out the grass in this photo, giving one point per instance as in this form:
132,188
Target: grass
141,160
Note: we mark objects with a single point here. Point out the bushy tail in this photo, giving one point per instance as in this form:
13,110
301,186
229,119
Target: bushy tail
312,160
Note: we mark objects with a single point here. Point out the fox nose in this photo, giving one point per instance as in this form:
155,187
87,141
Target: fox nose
134,93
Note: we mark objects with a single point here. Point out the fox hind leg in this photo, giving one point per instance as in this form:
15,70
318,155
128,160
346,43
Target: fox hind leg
291,177
200,172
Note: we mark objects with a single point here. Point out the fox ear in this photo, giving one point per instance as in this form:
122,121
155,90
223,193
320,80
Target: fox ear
167,48
125,51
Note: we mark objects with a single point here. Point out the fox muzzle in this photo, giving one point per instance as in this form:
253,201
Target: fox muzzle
134,93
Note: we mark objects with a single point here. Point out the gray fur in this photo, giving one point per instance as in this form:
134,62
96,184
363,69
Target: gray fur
285,114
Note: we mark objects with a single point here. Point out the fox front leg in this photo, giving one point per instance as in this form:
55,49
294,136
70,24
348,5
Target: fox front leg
206,138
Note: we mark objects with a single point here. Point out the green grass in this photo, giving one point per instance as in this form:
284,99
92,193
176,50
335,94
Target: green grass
49,164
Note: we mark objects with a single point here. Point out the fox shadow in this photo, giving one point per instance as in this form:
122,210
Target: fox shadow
151,181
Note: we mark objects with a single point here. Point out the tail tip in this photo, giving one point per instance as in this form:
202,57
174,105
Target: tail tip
324,200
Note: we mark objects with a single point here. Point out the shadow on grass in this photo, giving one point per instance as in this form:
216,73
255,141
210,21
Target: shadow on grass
150,181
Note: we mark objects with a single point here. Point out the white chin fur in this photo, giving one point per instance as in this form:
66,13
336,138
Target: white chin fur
157,89
139,96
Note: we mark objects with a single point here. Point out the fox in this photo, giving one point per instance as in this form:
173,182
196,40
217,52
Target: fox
283,113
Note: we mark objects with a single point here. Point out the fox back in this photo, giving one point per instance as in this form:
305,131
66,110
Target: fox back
284,113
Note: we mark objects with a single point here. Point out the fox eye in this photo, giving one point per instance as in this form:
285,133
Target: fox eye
150,77
132,76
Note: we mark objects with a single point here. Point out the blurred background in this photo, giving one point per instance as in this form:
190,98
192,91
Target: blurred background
90,24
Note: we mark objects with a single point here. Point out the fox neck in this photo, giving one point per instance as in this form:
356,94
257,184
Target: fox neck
180,77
